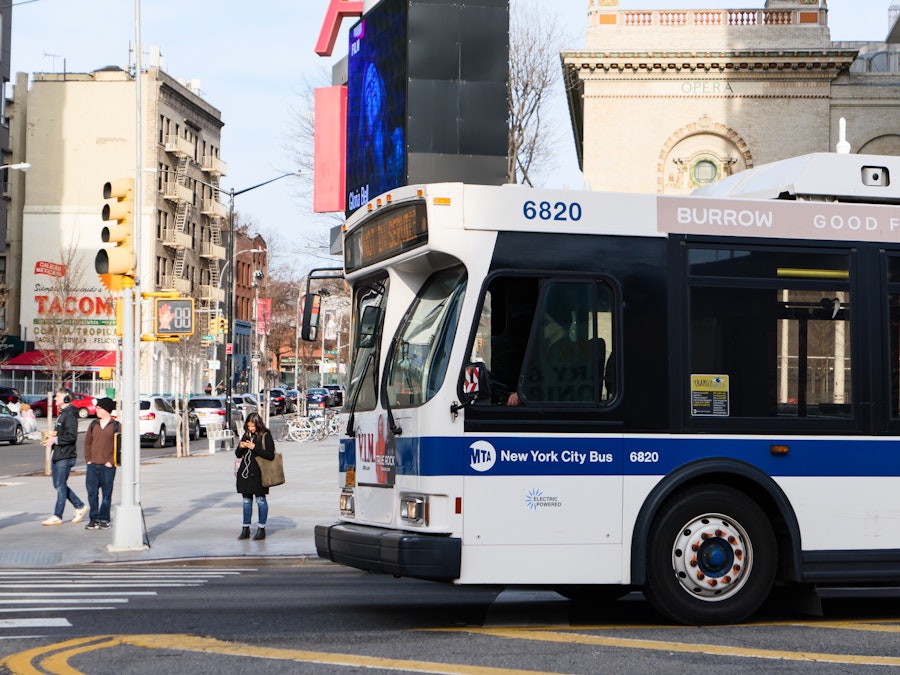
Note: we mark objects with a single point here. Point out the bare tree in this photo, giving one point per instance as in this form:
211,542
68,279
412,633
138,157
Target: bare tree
60,336
535,38
282,327
184,354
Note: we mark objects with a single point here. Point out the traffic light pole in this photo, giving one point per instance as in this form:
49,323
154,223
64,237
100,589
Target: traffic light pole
128,526
129,523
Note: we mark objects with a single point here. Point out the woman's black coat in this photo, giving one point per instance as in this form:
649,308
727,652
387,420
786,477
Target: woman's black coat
249,477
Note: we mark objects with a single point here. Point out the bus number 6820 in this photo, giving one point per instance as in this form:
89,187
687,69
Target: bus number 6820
551,211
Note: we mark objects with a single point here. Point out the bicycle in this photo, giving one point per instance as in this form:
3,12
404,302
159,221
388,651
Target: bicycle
285,434
316,428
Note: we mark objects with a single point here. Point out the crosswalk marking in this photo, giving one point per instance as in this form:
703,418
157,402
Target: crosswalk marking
80,601
56,592
33,623
35,594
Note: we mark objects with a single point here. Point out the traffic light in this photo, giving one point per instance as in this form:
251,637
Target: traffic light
112,264
217,324
310,304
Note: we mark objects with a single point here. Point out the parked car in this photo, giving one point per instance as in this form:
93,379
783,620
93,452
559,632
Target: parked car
337,393
317,399
210,410
85,405
10,426
294,395
158,420
194,427
244,404
8,393
279,403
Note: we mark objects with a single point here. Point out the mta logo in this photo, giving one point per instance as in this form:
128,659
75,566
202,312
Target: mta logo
482,456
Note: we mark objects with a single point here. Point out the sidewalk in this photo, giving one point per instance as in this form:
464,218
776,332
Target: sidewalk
190,507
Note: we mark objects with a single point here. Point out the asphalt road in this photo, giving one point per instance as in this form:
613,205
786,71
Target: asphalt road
28,458
319,618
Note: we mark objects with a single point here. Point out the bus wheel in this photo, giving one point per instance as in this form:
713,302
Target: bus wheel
711,557
594,595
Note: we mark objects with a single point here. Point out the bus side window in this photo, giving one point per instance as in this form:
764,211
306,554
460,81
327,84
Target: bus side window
567,355
503,330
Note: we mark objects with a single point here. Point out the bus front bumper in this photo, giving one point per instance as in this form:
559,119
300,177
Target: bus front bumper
402,554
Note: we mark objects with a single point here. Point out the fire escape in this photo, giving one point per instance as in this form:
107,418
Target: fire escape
212,250
178,236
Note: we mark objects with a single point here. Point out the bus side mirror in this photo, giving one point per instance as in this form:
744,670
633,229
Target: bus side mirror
309,311
368,326
475,384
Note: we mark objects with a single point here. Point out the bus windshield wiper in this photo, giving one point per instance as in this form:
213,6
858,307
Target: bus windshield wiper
351,431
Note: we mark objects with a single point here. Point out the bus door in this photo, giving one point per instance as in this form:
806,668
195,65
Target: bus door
541,468
363,448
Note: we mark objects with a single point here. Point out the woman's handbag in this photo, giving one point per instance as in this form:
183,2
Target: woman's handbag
272,470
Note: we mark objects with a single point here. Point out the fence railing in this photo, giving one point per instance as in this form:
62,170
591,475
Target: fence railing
40,386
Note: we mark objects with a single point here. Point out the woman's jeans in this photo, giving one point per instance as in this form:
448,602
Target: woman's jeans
61,470
100,478
261,505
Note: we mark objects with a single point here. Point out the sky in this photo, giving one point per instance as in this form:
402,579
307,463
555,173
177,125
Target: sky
253,61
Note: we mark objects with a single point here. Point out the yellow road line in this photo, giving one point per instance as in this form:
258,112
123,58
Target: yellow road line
53,659
23,662
683,647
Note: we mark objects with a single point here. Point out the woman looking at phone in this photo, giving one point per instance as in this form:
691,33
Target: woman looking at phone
256,442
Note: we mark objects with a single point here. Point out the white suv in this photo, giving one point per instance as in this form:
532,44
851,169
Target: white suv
158,420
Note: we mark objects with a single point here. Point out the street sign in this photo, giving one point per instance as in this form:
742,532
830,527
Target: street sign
208,338
214,364
228,348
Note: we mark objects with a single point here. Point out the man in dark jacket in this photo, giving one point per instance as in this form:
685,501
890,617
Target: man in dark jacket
63,441
100,461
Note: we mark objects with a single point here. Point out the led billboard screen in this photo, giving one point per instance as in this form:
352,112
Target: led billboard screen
376,103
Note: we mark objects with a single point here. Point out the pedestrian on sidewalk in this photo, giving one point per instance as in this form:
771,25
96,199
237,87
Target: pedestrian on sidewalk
100,455
63,439
257,441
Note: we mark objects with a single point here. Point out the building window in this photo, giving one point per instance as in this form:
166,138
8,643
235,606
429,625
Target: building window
704,171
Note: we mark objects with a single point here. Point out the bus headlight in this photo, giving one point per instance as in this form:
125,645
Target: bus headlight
348,506
414,508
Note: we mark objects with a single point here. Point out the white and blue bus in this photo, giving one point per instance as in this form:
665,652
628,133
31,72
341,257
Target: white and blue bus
693,396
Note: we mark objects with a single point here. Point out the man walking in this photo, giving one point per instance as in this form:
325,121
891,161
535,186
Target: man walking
63,441
99,454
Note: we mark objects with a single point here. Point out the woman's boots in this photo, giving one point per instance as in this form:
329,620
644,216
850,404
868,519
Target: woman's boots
260,534
245,533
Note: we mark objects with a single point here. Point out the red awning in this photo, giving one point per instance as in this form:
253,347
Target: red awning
87,360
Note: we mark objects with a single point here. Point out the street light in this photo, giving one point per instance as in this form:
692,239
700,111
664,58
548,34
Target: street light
20,166
229,301
219,285
229,307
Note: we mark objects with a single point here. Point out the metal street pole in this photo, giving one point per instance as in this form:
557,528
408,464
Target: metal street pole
229,310
297,347
128,525
229,350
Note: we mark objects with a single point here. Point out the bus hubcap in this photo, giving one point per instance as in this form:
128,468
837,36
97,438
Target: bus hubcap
711,557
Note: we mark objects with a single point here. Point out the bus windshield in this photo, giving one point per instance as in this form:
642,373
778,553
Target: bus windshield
369,300
422,350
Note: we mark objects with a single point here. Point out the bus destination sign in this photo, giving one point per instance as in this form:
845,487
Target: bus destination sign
385,235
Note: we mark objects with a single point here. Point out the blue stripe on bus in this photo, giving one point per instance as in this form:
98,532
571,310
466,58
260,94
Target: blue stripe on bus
634,456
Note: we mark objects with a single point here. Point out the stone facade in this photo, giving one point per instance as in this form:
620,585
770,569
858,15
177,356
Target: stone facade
667,100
